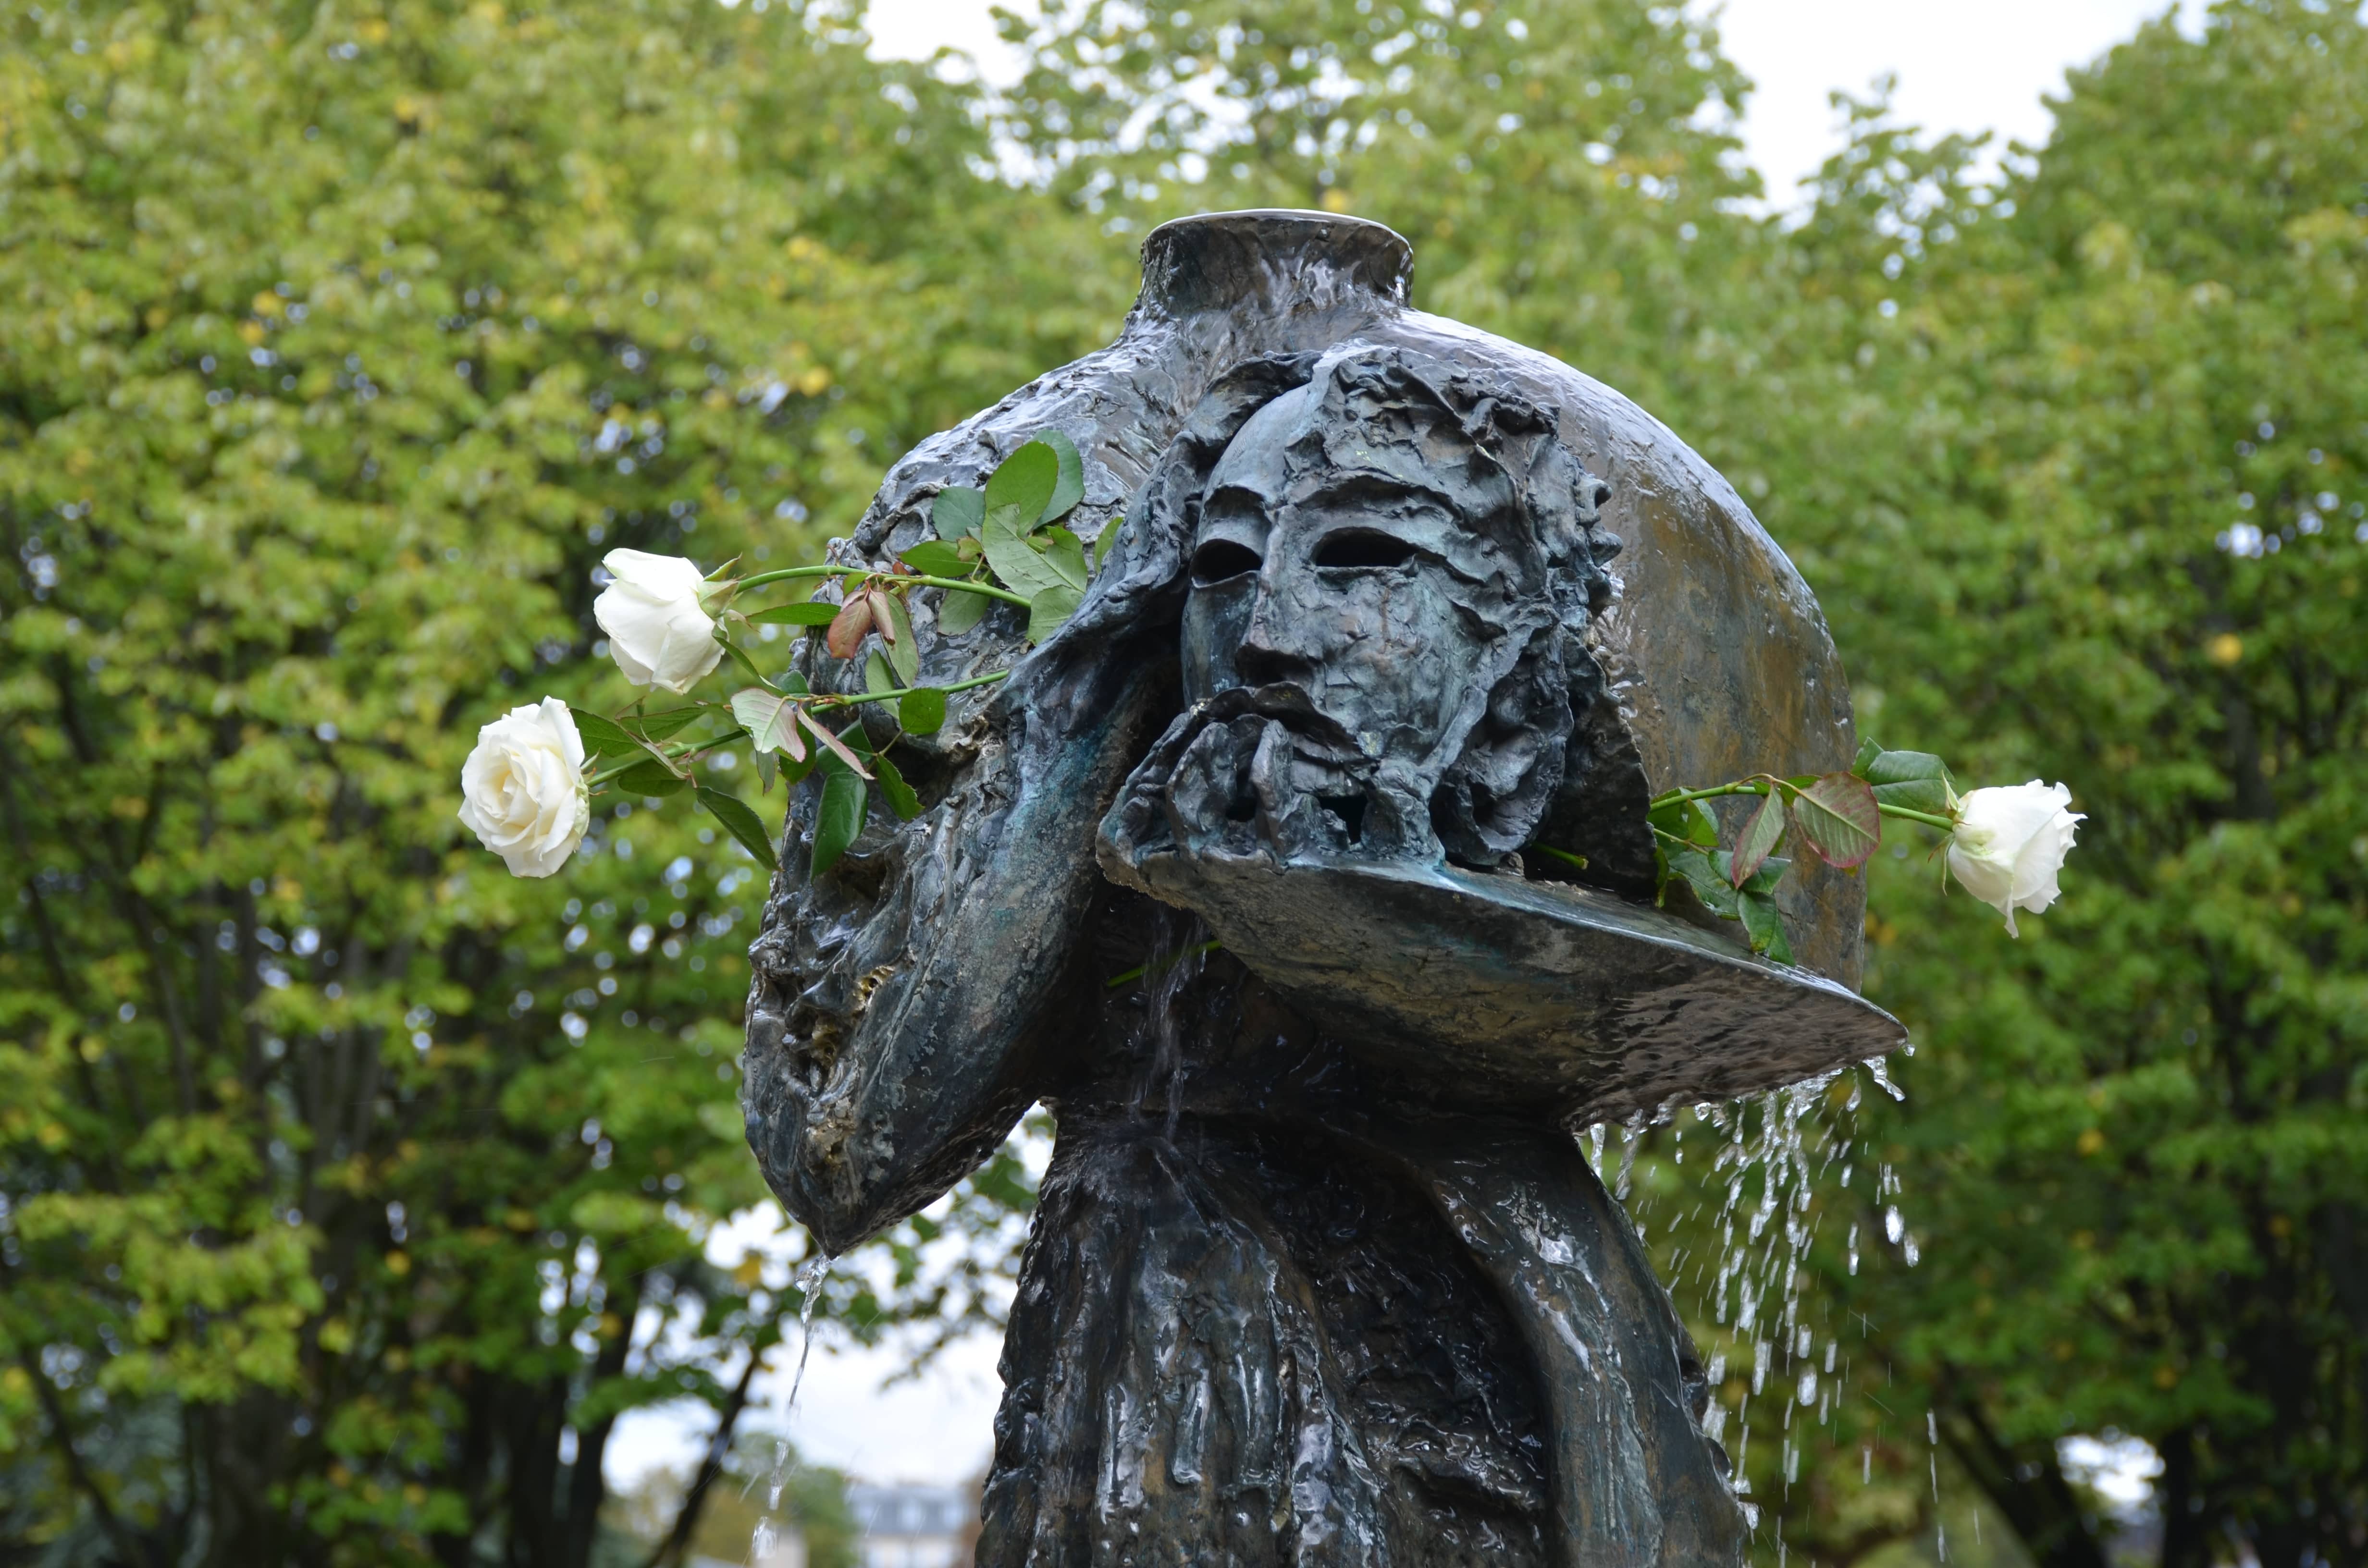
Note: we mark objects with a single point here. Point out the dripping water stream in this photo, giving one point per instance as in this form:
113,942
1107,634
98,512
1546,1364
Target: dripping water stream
765,1540
1178,954
1743,1276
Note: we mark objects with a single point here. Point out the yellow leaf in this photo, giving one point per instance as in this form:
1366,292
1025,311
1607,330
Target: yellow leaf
2224,649
398,1263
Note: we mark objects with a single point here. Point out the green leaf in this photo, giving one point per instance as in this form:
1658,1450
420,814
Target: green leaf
1689,822
957,612
1069,486
1763,881
1708,881
1836,816
1018,562
899,795
1867,752
806,612
877,675
922,712
936,558
651,778
739,821
661,726
1065,553
958,510
1764,926
771,721
904,653
768,767
1024,482
1760,836
603,737
1914,781
839,818
1050,607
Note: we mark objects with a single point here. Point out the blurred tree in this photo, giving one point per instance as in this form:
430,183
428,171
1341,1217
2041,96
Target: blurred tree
2075,464
353,1188
811,1501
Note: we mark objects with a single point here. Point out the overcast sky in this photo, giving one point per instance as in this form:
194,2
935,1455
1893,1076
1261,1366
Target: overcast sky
1961,67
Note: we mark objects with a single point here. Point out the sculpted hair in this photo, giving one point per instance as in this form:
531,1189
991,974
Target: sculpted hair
1546,753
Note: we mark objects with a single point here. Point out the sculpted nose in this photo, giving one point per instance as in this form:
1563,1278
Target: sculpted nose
1272,650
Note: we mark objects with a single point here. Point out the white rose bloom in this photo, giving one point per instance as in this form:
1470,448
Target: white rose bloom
655,615
2009,844
525,793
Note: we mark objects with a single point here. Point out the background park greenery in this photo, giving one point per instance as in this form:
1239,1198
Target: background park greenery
348,1181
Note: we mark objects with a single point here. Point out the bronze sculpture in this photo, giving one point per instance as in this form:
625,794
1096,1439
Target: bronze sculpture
1318,1272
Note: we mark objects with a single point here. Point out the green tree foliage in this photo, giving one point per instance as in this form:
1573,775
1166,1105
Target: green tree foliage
354,1188
2076,465
345,340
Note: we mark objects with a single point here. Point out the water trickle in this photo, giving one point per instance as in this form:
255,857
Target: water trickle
1738,1259
1179,950
765,1542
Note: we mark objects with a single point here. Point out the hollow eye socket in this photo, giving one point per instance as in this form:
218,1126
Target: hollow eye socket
1362,547
1222,559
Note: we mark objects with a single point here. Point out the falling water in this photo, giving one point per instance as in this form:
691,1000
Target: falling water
766,1538
1748,1284
1179,949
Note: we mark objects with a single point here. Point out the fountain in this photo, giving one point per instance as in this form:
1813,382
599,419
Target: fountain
1393,630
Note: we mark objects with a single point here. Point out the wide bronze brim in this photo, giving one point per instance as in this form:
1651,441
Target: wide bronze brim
1497,990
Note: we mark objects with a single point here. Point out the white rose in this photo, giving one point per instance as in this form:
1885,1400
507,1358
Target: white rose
2009,844
525,793
655,615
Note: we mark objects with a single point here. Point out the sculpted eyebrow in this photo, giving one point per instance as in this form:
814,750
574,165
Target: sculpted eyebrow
1372,489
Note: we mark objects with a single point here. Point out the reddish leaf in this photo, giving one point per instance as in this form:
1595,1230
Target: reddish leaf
1760,836
821,732
883,615
848,627
1837,817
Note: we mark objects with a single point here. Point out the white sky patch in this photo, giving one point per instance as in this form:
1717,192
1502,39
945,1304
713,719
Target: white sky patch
1963,69
2120,1470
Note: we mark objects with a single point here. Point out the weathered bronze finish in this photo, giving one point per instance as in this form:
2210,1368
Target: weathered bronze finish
1320,1274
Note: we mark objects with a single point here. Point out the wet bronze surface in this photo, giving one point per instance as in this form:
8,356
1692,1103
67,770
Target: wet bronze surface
1319,1275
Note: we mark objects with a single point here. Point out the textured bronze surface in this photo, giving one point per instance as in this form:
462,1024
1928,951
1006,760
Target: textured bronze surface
1319,1275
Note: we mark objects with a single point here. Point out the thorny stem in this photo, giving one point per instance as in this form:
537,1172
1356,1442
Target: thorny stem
836,699
1761,786
819,700
962,584
679,749
1740,787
